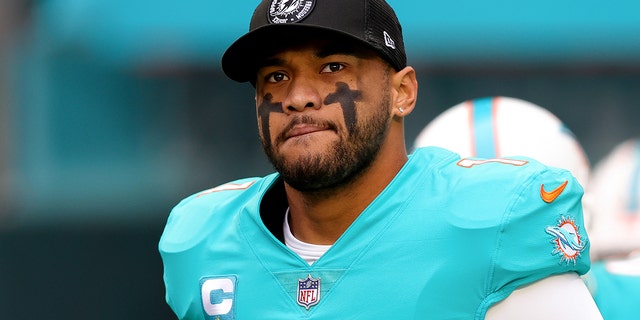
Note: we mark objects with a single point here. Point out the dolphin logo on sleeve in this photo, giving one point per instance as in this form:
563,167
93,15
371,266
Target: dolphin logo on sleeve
567,239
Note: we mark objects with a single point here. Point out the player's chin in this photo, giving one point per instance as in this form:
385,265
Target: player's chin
307,153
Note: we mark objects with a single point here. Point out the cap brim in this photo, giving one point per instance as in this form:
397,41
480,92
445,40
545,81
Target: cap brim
241,60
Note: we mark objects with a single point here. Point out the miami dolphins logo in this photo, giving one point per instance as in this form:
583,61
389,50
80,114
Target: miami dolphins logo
567,239
289,11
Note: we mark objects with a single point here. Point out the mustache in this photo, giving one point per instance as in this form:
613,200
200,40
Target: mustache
304,120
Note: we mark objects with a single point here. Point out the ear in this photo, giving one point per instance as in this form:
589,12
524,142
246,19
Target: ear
405,88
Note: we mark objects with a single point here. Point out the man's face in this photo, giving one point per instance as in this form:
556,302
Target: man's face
323,112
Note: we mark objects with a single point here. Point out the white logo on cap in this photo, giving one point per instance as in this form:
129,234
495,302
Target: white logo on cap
388,41
289,11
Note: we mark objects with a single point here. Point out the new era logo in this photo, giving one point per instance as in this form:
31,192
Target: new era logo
388,41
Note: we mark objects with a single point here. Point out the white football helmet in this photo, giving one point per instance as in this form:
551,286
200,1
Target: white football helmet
499,127
614,197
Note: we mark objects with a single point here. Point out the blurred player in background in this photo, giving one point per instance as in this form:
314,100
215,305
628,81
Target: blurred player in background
352,227
498,127
614,195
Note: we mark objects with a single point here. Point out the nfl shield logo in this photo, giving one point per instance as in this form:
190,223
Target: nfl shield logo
308,291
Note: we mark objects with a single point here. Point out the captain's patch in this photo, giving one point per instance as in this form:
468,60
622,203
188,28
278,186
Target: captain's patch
218,297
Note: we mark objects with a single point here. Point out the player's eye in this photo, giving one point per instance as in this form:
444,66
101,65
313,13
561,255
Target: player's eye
277,77
332,67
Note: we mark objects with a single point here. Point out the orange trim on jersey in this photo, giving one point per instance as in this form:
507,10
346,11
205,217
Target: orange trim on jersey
472,139
469,163
227,187
494,120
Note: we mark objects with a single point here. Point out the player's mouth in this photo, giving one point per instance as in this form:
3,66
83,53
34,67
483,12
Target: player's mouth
301,130
302,127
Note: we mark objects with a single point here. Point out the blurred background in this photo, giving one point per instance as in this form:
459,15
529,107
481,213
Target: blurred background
111,111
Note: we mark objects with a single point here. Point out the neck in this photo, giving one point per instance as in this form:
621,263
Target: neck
321,217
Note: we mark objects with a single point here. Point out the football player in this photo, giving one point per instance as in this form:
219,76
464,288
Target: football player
614,195
350,226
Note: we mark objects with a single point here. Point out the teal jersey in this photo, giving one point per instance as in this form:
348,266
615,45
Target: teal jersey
616,295
446,239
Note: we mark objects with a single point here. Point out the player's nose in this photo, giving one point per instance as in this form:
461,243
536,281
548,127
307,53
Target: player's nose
302,94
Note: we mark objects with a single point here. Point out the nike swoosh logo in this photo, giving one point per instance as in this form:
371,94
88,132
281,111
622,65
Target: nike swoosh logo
549,197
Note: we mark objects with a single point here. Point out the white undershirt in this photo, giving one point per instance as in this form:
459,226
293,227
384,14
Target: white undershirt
307,251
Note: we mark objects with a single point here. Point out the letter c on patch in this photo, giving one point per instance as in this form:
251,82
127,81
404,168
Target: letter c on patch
217,296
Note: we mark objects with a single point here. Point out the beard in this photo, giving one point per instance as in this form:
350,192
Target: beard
342,162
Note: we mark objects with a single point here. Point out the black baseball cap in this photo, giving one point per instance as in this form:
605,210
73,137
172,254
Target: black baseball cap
276,23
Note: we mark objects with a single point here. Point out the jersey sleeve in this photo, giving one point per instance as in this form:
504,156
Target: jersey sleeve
542,233
202,216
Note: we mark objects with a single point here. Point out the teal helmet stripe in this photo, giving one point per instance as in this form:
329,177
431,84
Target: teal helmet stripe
483,128
632,205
